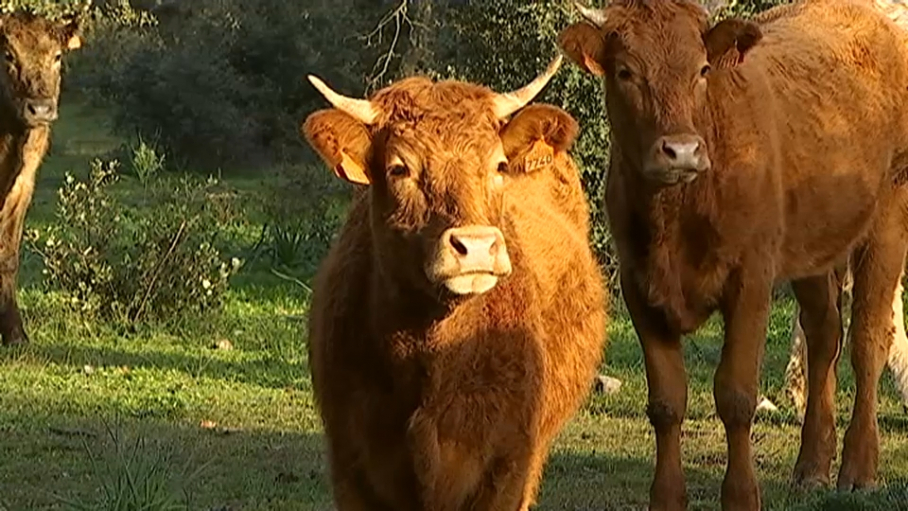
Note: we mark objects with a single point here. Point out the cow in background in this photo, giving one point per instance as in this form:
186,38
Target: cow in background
33,49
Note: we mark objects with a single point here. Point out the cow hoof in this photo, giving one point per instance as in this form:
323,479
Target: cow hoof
853,479
807,481
854,486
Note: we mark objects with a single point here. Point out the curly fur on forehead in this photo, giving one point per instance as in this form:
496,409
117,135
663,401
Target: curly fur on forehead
621,14
29,25
446,108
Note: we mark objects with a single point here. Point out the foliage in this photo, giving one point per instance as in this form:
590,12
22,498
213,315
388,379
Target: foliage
301,207
223,83
159,261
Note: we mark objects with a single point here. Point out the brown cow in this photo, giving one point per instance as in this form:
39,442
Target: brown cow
29,91
796,372
458,320
743,155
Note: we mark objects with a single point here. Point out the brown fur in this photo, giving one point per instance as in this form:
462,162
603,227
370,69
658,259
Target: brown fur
434,402
796,371
31,72
799,179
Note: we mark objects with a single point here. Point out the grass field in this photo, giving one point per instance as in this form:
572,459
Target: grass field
86,414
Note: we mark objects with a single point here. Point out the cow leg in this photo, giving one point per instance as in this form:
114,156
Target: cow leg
746,311
348,482
898,352
11,328
667,387
537,464
820,300
505,488
877,269
796,371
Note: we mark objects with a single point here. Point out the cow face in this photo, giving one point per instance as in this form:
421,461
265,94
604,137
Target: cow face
436,159
33,49
657,57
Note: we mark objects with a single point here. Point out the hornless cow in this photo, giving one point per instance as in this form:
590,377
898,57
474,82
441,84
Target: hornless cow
796,372
458,320
743,155
30,86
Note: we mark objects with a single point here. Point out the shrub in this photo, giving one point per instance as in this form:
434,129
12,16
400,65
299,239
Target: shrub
158,261
224,82
303,208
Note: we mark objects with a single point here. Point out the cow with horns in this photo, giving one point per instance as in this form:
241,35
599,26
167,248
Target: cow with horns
458,320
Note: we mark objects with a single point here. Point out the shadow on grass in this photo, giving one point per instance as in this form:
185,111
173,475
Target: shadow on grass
75,460
257,470
600,482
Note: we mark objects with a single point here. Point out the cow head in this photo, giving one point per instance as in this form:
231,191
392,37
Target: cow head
436,158
657,58
33,49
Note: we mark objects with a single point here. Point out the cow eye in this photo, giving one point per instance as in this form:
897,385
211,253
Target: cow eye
397,170
705,70
624,74
10,57
58,56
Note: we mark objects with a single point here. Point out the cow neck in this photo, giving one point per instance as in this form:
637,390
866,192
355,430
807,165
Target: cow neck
401,309
401,305
21,152
677,221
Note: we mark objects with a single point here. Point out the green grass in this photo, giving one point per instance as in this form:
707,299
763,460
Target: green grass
82,408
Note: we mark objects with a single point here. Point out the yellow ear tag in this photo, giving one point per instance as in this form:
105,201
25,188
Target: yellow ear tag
350,170
541,155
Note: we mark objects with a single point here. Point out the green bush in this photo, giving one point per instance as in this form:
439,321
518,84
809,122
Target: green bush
223,85
303,207
157,261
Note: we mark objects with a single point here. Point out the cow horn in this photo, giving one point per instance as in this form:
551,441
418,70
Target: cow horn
594,16
508,103
360,109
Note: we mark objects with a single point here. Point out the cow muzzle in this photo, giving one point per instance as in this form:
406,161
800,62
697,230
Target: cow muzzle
39,111
677,159
469,260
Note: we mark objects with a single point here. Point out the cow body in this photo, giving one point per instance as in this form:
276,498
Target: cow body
796,371
743,155
29,92
440,402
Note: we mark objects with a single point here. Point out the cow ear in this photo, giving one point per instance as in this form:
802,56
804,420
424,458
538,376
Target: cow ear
583,43
728,42
535,135
70,30
342,142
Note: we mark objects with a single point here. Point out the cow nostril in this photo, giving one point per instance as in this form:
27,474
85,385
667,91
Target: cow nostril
668,150
458,245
